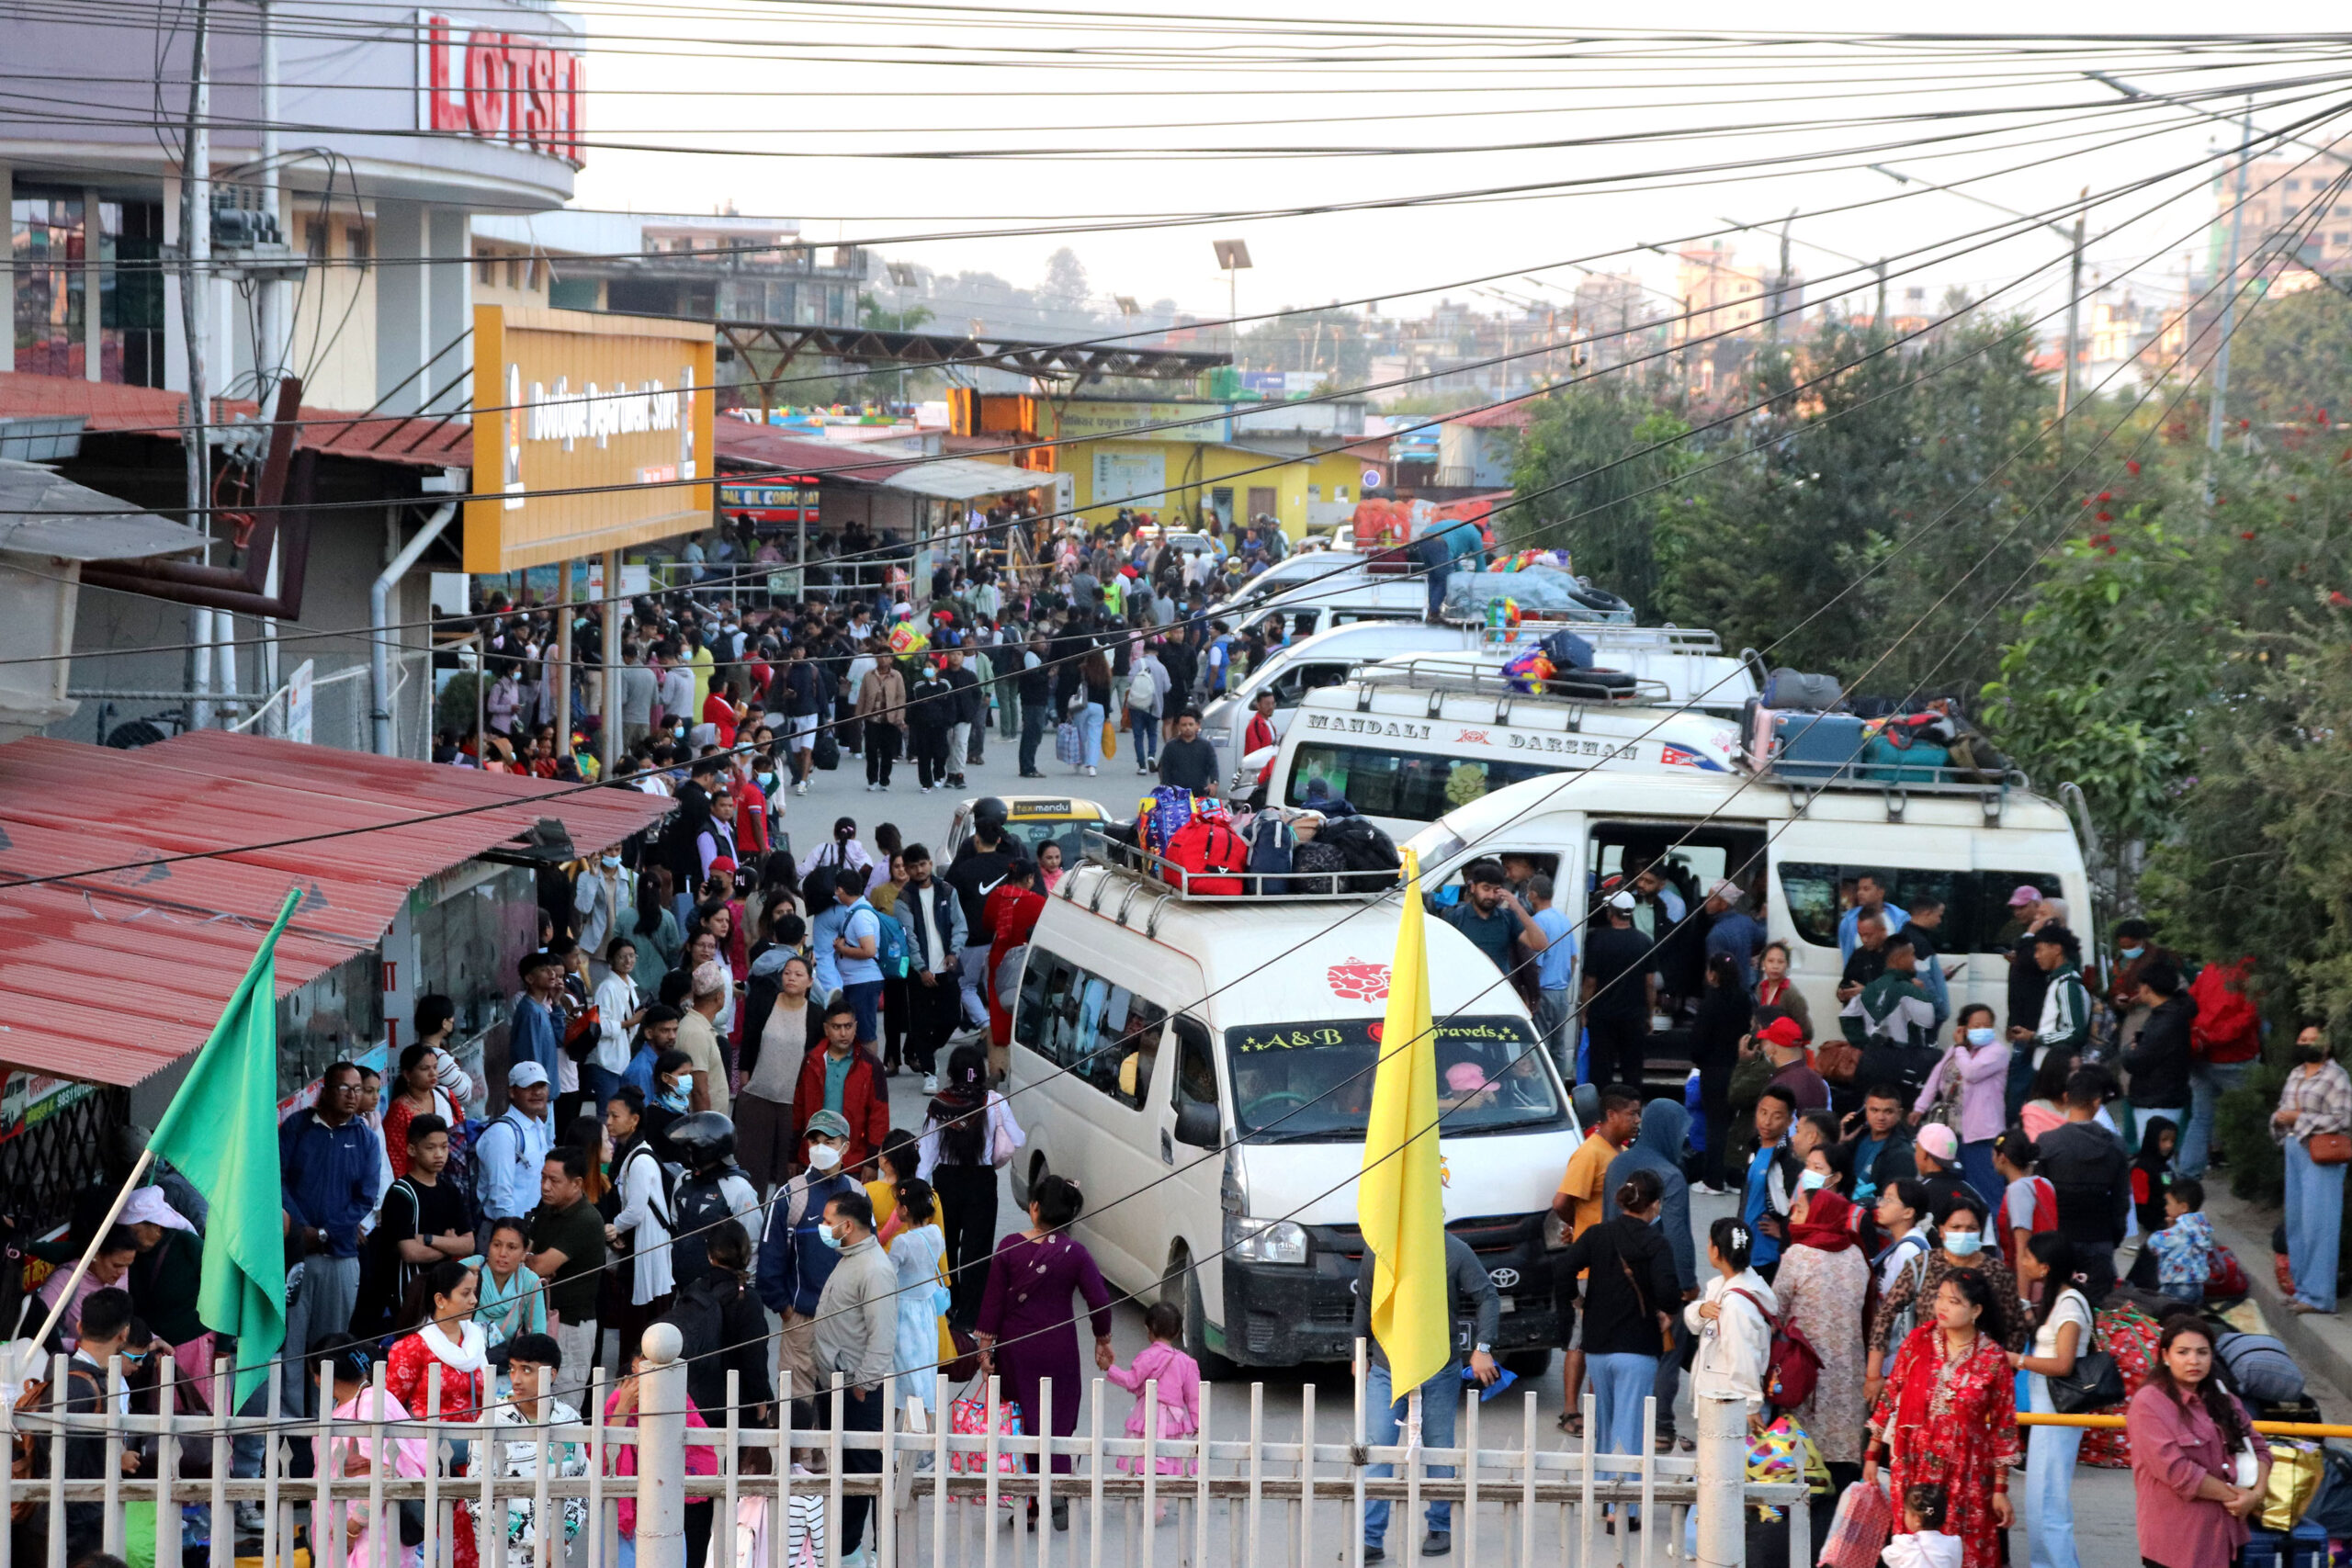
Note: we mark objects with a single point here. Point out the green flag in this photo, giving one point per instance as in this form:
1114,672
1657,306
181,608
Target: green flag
222,1132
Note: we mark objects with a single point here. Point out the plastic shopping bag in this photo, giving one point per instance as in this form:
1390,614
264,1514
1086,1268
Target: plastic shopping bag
1858,1533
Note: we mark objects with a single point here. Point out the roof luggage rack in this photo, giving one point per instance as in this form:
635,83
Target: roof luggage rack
1452,673
1830,765
1133,885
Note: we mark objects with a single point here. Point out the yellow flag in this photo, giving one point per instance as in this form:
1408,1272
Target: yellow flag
1399,1196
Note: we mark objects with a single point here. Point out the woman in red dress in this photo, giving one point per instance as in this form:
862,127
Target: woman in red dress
1948,1415
442,1344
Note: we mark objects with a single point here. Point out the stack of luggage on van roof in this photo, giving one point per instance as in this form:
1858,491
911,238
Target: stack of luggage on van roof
1204,848
1561,666
1809,727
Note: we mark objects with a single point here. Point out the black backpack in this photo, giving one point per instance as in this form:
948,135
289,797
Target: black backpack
1368,850
697,1205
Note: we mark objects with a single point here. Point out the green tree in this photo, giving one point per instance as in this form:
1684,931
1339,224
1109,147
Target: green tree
2291,360
1590,493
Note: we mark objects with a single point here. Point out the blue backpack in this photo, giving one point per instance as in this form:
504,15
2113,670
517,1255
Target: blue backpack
1270,845
890,946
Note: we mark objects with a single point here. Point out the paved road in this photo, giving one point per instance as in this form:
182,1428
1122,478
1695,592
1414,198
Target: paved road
2103,1499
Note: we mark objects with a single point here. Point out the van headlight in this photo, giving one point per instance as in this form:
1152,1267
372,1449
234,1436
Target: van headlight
1264,1241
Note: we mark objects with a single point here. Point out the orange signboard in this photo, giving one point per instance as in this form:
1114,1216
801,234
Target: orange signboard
591,433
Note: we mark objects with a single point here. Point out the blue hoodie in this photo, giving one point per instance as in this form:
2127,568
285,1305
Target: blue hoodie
1659,1147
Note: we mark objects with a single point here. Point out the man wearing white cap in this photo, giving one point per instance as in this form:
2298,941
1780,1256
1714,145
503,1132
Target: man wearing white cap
1619,992
511,1150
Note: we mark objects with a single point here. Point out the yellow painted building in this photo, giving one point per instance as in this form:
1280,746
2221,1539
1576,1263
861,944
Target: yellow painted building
1192,457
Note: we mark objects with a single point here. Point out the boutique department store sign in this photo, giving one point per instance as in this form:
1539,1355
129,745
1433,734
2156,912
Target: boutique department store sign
592,433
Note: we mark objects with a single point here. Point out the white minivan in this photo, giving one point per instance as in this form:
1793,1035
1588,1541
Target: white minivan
1793,848
1202,1067
1317,606
1690,664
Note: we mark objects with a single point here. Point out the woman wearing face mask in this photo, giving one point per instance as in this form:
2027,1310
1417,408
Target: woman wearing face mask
1948,1414
1821,1283
2316,1099
1974,1071
673,1097
1962,1248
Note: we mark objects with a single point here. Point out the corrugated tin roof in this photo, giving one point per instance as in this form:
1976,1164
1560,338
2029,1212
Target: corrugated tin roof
1512,415
427,442
838,462
114,974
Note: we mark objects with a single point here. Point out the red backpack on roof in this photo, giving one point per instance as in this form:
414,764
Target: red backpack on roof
2228,1027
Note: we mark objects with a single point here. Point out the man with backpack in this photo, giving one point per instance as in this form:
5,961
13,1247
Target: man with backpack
980,868
711,1190
640,1232
1148,689
931,920
794,1265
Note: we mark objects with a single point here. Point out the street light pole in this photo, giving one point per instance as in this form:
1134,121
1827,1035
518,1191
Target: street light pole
2213,419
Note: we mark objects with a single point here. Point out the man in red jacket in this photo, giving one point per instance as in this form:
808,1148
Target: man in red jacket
845,1079
1013,908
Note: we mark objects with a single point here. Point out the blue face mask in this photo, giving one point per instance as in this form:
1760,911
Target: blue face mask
2130,952
1962,1244
1979,1036
678,1098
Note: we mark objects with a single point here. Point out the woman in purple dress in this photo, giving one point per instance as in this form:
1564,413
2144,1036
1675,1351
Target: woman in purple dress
1027,1330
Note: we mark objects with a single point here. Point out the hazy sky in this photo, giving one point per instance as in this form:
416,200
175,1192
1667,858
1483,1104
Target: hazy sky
1119,116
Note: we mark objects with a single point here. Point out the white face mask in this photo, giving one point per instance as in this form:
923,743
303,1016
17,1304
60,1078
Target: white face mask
1813,1180
823,1157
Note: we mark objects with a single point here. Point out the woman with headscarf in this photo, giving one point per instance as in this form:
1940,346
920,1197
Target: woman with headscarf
1822,1280
165,1280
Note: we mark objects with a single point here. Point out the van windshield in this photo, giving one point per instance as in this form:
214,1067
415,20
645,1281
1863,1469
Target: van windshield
1312,1082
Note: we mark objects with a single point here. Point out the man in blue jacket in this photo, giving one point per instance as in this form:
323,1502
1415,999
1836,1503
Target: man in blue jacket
534,1035
326,1160
795,1262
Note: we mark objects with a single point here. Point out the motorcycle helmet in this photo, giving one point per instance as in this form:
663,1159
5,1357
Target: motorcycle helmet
703,1141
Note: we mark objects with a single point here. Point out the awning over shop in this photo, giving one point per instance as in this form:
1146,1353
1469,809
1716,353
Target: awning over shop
121,966
419,441
846,462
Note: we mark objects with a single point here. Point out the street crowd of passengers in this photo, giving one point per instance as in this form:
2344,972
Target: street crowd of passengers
1938,1218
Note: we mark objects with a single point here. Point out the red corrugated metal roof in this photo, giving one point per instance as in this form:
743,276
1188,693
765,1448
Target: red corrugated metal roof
1512,415
114,974
740,441
416,443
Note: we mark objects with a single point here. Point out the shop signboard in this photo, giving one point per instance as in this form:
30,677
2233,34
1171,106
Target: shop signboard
592,433
474,79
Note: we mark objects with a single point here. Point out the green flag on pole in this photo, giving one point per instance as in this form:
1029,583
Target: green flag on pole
222,1132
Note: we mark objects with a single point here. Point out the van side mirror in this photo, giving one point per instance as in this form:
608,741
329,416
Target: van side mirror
1196,1125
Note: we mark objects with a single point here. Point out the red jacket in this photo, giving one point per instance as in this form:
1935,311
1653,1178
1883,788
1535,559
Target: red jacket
865,1102
1012,913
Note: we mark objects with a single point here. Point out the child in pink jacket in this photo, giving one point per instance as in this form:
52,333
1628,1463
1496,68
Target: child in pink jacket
1180,1387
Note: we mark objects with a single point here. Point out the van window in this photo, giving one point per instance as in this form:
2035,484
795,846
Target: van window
1311,1082
1302,678
1976,913
1102,1033
1418,787
1195,1063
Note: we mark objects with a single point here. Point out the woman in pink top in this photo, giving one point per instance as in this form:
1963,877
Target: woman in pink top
354,1450
2185,1432
1976,1072
1179,1378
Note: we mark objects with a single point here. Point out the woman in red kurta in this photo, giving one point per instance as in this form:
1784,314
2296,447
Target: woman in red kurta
1948,1415
444,1345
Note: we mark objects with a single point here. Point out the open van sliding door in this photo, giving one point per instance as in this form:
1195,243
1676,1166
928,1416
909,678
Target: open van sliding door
1690,856
1186,1212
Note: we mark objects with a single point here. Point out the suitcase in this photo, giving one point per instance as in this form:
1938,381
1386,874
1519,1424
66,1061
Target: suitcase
1820,745
1796,691
1591,685
1315,865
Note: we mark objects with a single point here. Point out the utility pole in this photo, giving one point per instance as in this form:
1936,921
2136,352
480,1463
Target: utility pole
195,255
1879,321
2213,419
2073,321
1780,283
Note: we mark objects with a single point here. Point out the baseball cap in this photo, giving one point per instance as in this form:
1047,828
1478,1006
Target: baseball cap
1621,901
829,1125
1939,1140
1465,1078
1728,891
2024,895
1783,1031
525,1074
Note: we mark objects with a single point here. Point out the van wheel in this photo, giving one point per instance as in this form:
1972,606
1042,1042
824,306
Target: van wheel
1196,1321
1526,1365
